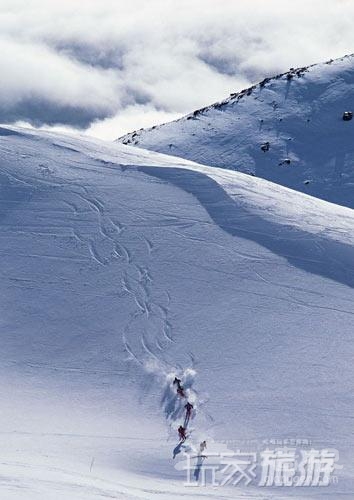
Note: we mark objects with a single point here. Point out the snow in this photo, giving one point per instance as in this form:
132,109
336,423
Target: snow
299,113
121,268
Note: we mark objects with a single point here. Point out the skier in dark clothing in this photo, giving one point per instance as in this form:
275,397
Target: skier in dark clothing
177,381
180,389
182,433
189,408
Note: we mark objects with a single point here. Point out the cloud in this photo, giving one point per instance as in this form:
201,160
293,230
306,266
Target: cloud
131,117
112,66
42,85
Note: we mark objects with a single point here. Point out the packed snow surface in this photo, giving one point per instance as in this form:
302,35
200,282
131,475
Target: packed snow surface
123,268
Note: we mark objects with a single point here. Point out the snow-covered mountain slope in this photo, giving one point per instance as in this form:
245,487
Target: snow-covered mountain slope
300,115
121,268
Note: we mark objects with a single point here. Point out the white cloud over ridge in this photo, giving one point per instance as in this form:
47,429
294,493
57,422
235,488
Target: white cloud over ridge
111,66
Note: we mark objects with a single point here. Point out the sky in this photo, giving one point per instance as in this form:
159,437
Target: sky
107,67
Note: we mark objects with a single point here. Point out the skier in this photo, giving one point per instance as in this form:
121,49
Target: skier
182,433
180,392
189,408
180,389
202,446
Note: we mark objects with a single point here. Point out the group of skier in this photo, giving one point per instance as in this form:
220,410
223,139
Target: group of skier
182,429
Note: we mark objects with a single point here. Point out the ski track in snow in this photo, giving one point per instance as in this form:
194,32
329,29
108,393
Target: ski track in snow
107,239
139,289
147,350
141,294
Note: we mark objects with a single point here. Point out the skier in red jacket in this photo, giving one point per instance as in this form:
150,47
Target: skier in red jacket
180,392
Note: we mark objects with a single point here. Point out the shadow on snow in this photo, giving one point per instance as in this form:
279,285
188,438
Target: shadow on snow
311,253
